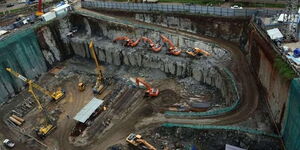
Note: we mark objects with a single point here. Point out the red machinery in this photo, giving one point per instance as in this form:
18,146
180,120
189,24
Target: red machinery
39,11
153,46
150,91
172,49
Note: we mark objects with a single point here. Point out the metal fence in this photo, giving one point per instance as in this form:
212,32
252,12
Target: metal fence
194,9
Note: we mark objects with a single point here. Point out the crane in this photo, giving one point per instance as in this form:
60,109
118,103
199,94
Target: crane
46,129
150,91
136,140
99,82
57,95
39,12
49,126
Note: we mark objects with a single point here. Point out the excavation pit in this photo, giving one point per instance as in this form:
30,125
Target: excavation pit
196,89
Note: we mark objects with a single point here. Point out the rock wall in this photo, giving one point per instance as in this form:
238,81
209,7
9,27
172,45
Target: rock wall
229,29
21,52
225,28
205,69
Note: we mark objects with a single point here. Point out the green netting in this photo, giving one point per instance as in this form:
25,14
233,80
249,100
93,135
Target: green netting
219,111
21,52
213,127
291,130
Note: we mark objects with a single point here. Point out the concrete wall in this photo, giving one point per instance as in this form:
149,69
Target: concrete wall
261,56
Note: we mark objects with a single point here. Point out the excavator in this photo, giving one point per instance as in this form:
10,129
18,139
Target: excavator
128,41
172,49
57,95
136,140
97,89
152,92
196,51
153,46
122,38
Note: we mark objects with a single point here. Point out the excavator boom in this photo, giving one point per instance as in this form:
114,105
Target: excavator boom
169,42
55,95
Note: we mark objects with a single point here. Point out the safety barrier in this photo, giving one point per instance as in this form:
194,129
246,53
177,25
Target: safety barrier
193,9
214,127
215,112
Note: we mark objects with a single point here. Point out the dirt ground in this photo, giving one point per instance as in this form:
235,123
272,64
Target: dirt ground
126,103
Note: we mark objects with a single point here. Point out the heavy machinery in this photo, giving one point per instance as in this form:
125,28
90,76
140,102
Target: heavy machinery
57,95
173,50
133,43
197,51
123,38
49,126
154,47
128,41
99,86
136,140
150,91
45,130
39,12
169,42
81,86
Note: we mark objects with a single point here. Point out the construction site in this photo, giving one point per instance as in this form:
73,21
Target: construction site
97,75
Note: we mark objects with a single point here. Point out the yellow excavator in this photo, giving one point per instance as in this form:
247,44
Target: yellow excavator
57,95
98,88
136,140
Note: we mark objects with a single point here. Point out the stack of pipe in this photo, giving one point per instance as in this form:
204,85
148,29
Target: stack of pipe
17,120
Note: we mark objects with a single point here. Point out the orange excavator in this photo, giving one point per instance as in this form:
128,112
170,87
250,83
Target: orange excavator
128,41
153,46
136,140
150,91
172,49
197,51
122,38
205,53
133,43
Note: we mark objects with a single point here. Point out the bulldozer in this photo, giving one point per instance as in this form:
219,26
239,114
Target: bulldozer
136,140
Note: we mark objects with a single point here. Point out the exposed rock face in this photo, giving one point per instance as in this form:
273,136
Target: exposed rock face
204,69
224,28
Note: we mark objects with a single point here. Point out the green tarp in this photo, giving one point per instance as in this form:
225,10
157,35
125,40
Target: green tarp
21,52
